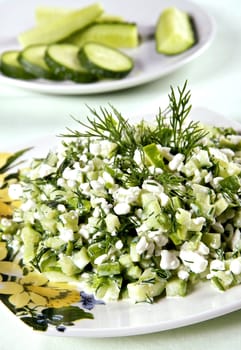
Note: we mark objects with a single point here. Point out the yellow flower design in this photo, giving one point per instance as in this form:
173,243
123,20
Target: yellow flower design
34,288
8,268
6,204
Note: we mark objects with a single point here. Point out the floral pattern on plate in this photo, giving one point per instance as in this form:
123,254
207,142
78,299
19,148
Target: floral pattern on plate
38,302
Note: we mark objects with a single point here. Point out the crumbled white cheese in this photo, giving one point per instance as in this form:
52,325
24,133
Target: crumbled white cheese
61,208
119,245
235,266
100,259
176,161
183,274
28,205
45,170
152,186
127,195
141,245
196,262
169,260
217,265
66,234
122,208
15,191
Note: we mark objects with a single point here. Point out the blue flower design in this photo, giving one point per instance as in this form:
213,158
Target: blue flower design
88,301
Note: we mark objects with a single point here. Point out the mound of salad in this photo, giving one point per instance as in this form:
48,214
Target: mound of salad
136,211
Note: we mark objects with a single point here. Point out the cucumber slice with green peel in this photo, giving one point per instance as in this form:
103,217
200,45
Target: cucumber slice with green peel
174,32
104,61
111,18
63,61
45,14
10,66
33,61
117,35
61,27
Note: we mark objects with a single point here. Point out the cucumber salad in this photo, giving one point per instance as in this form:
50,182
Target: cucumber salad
136,211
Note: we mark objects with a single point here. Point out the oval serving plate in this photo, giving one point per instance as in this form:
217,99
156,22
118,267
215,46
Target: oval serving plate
149,65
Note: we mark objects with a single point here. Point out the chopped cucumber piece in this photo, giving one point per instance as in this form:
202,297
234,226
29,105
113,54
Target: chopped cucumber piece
176,287
153,155
222,280
95,250
62,60
134,255
147,287
174,32
126,261
109,288
104,61
81,258
62,27
212,240
112,222
10,66
133,272
30,239
108,269
68,266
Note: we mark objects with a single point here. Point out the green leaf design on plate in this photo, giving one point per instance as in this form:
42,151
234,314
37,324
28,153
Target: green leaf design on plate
36,323
65,315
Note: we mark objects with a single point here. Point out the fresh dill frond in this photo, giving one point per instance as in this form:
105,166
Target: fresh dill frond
171,128
171,183
185,137
108,125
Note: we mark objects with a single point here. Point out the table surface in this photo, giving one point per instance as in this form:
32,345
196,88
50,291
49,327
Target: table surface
215,81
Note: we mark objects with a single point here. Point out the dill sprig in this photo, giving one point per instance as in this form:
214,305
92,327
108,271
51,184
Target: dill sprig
109,125
171,128
185,137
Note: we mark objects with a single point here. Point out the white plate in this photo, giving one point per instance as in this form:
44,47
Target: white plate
149,65
125,319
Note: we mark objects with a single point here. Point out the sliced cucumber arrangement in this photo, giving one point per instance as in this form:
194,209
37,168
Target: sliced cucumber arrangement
11,67
64,63
33,61
174,32
85,45
105,61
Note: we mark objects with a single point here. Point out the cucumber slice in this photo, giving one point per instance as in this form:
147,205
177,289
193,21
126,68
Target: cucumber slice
10,66
104,61
174,33
61,27
62,60
32,60
117,35
45,14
